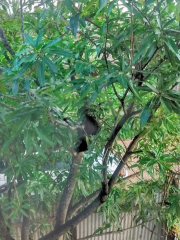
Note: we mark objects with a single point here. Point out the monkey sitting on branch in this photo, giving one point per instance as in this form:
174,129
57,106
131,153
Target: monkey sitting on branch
90,127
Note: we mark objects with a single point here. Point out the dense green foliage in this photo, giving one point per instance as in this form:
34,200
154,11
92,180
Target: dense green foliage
124,59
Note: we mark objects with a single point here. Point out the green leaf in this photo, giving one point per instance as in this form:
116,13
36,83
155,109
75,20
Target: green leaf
166,104
84,90
18,127
150,86
39,150
146,112
60,51
173,94
102,4
29,40
152,103
144,88
133,89
73,23
31,57
41,73
87,7
123,80
172,47
110,7
15,86
147,2
41,17
24,213
17,114
43,137
141,51
28,140
100,167
39,37
69,6
94,95
175,107
80,66
161,170
23,51
99,230
79,174
177,10
26,84
149,40
170,55
50,64
82,21
91,177
51,43
150,52
23,69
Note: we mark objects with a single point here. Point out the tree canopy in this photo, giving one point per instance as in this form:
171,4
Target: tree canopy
76,78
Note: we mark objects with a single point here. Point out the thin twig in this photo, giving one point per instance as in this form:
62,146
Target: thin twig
105,45
6,106
114,89
68,126
132,39
110,104
14,183
89,20
107,66
117,116
63,123
22,22
14,98
111,232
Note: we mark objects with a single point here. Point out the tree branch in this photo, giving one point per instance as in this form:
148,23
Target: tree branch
97,201
110,142
124,160
74,221
4,231
5,42
114,89
68,190
82,202
63,123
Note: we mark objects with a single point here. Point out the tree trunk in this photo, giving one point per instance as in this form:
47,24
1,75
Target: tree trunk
4,231
170,237
68,191
73,233
25,229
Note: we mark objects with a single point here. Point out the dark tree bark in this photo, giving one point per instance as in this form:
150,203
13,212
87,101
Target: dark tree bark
25,228
5,42
68,190
170,236
73,231
4,230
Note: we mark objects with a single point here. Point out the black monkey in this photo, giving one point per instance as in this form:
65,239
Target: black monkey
89,123
90,127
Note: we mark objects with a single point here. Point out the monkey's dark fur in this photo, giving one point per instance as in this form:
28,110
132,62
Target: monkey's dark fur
91,127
